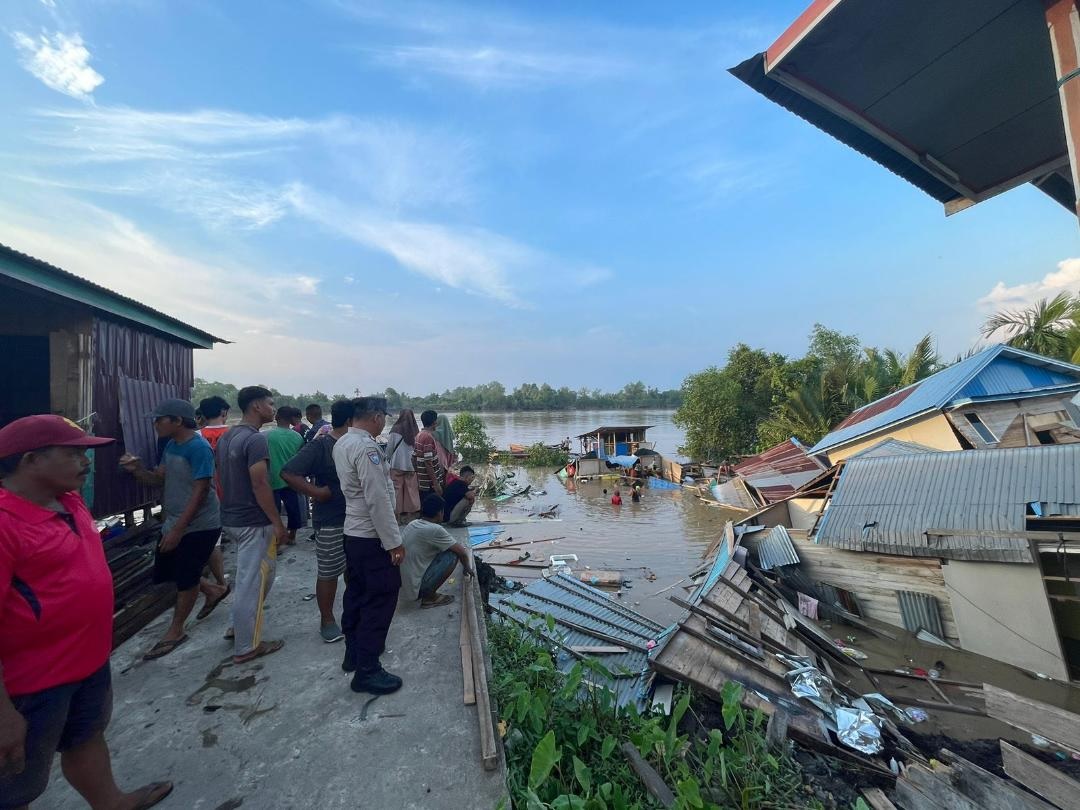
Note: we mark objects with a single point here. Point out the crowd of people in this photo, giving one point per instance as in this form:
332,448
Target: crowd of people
378,513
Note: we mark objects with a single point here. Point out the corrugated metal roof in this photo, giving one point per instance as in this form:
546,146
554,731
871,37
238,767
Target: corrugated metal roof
893,447
57,281
920,611
888,504
776,549
938,390
777,472
578,609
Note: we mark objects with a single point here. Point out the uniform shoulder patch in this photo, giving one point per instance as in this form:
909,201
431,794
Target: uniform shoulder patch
374,457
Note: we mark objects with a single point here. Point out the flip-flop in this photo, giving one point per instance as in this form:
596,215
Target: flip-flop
266,648
153,793
163,648
208,606
439,600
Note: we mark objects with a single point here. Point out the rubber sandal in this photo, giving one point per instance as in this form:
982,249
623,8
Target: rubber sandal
264,649
163,648
439,600
153,793
208,607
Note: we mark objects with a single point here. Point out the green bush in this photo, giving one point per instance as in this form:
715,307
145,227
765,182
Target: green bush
540,455
562,741
471,438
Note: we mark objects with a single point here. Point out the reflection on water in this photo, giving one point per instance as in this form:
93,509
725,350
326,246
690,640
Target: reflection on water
551,427
665,534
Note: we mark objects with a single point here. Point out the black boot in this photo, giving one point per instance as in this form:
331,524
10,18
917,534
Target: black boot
376,681
347,663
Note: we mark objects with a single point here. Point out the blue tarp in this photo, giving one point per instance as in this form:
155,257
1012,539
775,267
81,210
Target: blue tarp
481,534
660,483
623,461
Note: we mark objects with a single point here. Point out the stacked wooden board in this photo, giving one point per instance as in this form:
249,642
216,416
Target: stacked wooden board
137,600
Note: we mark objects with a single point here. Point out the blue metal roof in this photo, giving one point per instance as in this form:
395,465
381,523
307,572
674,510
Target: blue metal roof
996,370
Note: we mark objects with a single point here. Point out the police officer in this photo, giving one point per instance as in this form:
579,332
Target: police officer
373,549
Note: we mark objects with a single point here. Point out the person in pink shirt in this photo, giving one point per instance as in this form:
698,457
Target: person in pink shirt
56,606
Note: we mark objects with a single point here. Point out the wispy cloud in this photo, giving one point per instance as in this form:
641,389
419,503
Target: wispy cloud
1065,278
489,66
61,61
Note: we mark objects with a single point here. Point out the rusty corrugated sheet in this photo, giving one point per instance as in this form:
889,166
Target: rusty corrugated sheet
123,351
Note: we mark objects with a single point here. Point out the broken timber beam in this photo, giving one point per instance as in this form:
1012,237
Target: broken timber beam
1037,776
656,786
1034,717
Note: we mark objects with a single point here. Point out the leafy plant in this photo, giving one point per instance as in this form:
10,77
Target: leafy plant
563,735
471,438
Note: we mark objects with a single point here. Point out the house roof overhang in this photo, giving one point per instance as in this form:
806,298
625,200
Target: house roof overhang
959,98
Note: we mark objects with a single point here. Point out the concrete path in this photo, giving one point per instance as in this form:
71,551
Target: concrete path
286,731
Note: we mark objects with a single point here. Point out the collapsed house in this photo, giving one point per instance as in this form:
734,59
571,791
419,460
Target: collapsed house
999,397
972,547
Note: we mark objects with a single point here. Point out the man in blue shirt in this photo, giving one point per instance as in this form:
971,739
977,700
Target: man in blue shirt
190,510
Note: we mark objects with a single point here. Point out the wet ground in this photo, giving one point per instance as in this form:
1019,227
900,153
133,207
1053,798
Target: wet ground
654,543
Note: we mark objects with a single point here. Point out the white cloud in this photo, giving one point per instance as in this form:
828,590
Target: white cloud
1065,278
489,66
224,297
61,61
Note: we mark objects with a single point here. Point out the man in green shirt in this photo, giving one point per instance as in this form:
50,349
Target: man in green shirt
284,443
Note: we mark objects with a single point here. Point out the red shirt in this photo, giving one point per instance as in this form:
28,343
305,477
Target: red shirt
616,500
56,595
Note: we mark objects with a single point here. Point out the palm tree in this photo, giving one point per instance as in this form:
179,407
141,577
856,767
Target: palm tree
1049,327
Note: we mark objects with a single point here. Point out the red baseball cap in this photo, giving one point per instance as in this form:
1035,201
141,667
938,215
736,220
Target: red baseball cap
44,430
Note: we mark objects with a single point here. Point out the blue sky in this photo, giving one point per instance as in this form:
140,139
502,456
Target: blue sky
422,195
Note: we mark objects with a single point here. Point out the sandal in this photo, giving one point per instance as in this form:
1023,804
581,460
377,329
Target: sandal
438,600
266,648
208,606
152,794
163,648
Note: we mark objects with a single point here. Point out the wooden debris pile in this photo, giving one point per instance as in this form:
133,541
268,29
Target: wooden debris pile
138,601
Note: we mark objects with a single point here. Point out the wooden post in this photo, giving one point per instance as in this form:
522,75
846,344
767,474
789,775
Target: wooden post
1063,21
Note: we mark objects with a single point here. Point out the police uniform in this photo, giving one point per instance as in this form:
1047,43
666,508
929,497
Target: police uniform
372,581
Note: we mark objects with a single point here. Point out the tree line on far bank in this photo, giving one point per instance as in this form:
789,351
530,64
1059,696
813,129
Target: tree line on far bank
491,396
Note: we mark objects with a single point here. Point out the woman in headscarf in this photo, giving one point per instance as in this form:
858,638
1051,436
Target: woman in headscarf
444,444
399,449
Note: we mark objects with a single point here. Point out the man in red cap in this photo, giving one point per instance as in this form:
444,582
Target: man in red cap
56,604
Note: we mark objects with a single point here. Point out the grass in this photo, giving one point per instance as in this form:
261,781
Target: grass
562,741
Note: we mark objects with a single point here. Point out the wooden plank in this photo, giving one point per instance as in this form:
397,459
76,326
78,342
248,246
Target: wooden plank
755,621
936,784
655,786
1036,775
1034,717
612,649
937,690
776,730
876,798
489,751
988,791
465,643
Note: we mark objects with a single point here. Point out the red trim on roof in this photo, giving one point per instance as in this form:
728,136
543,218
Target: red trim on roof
785,458
880,406
797,30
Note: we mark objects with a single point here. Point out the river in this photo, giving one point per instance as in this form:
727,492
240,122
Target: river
551,427
654,543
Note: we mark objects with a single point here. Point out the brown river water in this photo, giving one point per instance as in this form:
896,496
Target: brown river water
663,536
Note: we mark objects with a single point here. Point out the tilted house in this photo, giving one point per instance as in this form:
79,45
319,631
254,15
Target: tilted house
999,397
972,546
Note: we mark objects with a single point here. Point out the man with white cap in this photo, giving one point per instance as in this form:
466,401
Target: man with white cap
56,621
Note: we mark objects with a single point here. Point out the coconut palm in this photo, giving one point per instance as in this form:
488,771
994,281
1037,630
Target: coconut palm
1048,327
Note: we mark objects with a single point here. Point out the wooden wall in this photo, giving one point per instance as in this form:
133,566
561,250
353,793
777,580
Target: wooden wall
875,579
1006,420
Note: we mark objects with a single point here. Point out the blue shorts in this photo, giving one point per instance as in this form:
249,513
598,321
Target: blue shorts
290,498
437,569
57,719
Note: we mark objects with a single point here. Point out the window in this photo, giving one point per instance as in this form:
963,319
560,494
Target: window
980,428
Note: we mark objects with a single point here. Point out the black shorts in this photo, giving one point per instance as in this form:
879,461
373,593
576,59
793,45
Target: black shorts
291,499
57,719
184,564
